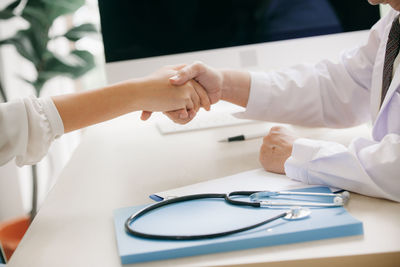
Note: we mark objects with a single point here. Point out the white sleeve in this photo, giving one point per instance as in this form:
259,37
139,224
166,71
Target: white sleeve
322,95
366,167
27,128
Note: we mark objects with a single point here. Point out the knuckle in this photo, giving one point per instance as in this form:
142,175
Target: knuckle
263,149
183,72
198,63
278,129
198,66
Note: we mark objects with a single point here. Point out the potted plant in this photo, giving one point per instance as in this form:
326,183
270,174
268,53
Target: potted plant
32,43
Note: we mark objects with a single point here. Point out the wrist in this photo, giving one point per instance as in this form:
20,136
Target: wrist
129,94
226,86
235,87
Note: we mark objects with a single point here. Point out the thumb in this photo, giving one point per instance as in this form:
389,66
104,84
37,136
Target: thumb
178,79
145,115
185,74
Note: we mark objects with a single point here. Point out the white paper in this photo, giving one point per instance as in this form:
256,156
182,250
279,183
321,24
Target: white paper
257,180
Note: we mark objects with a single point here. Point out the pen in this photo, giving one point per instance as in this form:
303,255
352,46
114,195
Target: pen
242,137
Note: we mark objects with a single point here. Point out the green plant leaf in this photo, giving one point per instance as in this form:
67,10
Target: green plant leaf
35,84
76,33
32,42
36,15
78,63
23,44
58,8
51,9
6,14
42,78
75,65
8,11
13,5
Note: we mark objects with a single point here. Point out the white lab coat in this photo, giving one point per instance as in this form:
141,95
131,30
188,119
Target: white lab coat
338,95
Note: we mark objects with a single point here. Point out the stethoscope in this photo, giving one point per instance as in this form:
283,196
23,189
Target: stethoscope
298,210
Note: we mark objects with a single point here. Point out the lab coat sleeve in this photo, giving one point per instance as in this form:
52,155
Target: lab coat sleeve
327,94
27,128
366,167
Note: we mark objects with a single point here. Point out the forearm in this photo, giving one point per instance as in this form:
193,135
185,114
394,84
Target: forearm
366,167
87,108
235,87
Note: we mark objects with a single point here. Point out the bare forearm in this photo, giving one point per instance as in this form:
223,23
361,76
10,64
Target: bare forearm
150,93
83,109
236,87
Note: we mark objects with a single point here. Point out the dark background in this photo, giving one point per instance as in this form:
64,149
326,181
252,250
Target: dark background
138,29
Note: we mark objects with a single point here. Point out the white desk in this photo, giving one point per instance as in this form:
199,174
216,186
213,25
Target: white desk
121,162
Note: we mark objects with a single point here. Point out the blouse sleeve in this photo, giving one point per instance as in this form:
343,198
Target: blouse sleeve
27,128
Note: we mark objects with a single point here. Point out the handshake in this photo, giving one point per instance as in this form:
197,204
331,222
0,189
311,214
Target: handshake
183,90
180,91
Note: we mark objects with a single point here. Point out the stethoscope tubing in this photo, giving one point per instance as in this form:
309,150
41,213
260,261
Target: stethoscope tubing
130,221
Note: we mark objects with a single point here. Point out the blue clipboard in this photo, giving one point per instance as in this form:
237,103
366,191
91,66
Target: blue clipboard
214,215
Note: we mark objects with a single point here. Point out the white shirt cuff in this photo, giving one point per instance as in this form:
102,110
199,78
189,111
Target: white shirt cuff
296,166
56,123
258,103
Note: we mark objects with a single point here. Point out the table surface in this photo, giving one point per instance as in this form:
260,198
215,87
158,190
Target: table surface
121,162
116,167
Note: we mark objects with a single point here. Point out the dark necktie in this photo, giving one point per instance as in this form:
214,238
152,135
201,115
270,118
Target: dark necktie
392,50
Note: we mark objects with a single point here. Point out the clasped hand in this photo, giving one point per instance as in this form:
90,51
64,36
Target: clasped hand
208,83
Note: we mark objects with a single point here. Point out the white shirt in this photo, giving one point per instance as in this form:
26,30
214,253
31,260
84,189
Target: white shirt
27,128
340,94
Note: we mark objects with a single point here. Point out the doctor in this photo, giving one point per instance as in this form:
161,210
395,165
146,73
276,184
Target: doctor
364,85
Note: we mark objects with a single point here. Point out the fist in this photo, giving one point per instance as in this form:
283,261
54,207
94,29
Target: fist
276,149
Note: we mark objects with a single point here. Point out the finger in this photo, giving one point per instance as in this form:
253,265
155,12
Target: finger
174,116
179,66
145,115
196,100
178,114
278,129
192,113
204,99
182,114
189,102
187,73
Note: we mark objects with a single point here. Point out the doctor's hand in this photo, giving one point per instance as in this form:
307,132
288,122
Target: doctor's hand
209,78
184,73
276,149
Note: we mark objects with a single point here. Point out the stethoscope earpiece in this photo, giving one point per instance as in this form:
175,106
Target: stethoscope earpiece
265,200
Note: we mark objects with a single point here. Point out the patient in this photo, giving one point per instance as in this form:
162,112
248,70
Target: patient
29,125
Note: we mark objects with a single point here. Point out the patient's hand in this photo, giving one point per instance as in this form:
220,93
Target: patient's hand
276,149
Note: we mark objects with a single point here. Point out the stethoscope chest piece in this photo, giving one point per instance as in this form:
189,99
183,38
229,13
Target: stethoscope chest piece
297,213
